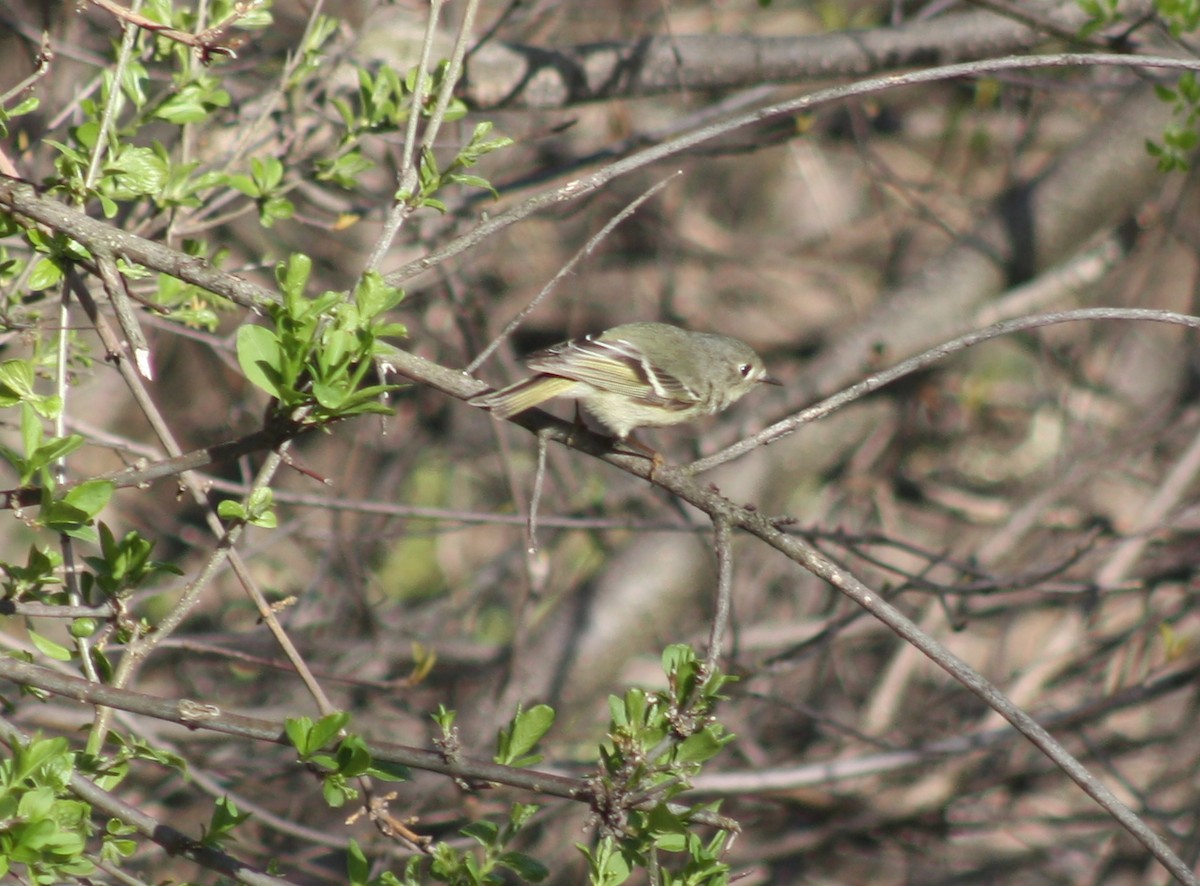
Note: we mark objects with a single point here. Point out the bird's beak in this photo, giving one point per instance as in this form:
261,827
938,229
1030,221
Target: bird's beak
769,380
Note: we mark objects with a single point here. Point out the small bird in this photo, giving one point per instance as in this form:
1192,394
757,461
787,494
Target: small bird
636,375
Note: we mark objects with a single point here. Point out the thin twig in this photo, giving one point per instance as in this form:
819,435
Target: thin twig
682,483
589,183
41,68
906,367
535,499
205,45
566,269
723,545
409,176
789,778
214,719
173,841
98,236
114,288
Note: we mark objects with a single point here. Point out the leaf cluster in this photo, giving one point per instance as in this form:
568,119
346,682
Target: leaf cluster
317,355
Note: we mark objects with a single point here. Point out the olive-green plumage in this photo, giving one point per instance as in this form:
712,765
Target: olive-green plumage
637,375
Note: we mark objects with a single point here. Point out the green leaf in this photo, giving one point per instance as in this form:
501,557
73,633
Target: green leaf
91,496
16,382
42,752
259,508
485,833
45,273
260,357
299,730
522,735
181,110
245,184
268,172
49,648
527,868
292,278
135,172
330,396
373,296
225,817
388,771
352,757
231,509
471,181
702,746
275,209
357,866
57,447
60,515
336,791
327,727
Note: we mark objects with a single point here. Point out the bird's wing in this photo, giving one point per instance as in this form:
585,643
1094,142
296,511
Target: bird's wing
617,366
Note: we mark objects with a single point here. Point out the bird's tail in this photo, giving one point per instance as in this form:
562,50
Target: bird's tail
523,395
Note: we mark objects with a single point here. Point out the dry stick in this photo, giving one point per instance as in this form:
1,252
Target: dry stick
409,172
227,537
173,841
50,610
723,545
70,567
247,133
100,237
250,586
535,499
878,380
116,96
680,481
408,164
112,108
225,550
203,44
588,249
145,471
41,69
114,288
537,571
452,75
790,778
447,515
1072,276
214,719
585,185
143,474
800,551
264,440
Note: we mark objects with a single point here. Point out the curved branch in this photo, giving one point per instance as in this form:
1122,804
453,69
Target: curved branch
682,483
506,75
194,715
592,182
173,841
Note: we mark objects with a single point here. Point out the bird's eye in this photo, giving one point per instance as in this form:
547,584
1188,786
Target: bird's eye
745,369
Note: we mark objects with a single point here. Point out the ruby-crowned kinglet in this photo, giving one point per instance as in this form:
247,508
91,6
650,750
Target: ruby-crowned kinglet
637,375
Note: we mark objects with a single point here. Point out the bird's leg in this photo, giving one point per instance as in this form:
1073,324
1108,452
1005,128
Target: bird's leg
636,447
577,425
